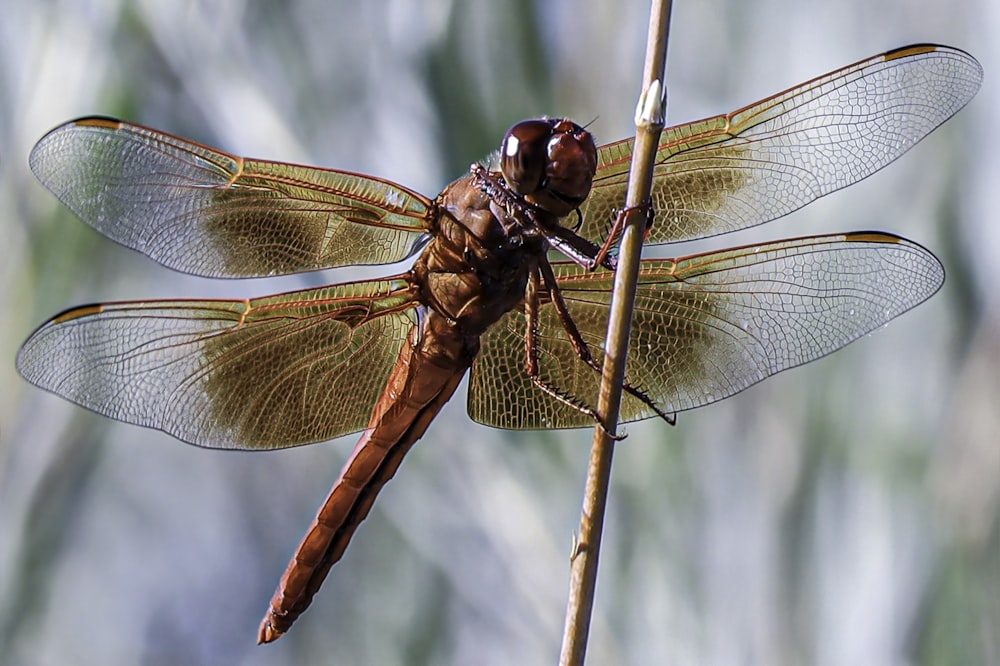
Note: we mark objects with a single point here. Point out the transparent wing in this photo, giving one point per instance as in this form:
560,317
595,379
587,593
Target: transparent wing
205,212
706,326
766,160
267,373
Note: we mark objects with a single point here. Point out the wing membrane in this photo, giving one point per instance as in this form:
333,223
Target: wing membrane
205,212
766,160
707,326
267,373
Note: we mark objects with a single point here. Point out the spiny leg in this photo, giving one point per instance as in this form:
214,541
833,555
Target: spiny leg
580,345
577,248
531,306
519,216
619,225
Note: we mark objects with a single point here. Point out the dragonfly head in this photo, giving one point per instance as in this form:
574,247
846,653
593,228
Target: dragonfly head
550,162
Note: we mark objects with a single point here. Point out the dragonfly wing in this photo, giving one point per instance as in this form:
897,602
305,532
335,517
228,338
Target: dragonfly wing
706,326
266,373
748,167
206,212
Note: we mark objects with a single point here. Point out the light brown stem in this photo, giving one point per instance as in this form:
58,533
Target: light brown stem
583,566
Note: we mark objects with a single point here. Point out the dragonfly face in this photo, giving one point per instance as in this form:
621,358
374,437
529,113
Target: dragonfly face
315,364
551,163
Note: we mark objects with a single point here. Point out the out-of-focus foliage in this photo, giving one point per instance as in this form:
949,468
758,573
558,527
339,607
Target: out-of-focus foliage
843,513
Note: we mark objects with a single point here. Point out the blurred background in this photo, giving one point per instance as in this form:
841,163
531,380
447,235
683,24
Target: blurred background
841,513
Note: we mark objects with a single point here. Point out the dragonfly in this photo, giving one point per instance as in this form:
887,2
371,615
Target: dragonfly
485,295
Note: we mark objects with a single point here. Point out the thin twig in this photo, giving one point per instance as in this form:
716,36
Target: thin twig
649,123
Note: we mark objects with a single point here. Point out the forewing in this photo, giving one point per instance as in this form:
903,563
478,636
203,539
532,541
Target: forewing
205,212
705,327
766,160
267,373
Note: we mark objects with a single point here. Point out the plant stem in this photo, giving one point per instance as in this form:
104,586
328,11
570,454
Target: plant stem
649,123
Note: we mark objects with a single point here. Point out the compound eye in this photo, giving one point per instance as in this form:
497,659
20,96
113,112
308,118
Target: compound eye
571,163
524,155
569,172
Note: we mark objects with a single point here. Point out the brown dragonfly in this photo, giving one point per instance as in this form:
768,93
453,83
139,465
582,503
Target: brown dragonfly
383,356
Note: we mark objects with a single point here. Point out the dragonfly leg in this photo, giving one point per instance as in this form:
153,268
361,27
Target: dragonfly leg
531,357
580,345
577,248
616,229
518,215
